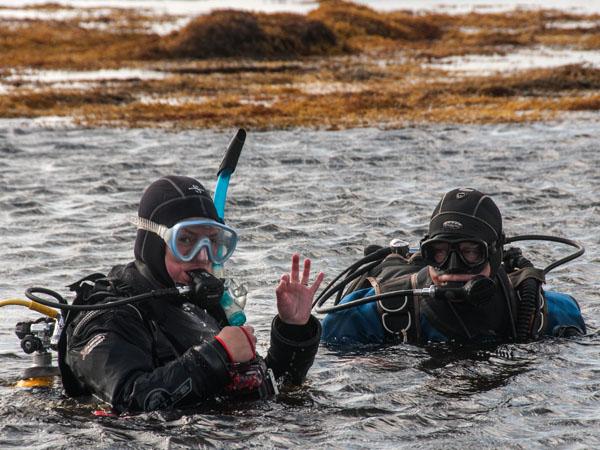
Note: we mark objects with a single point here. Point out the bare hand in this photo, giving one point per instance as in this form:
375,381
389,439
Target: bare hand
240,345
294,295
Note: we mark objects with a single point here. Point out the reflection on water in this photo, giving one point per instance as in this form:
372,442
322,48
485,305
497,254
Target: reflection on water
66,197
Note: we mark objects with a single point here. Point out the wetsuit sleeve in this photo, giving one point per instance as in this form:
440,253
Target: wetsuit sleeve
354,326
112,355
293,349
564,315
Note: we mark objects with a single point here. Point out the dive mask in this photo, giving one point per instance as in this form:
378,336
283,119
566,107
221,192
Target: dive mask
465,255
187,238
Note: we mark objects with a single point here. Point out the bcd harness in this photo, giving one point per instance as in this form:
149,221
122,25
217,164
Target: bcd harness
95,289
252,379
400,315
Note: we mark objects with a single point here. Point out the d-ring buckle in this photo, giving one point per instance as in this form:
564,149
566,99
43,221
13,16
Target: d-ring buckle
403,331
400,308
542,303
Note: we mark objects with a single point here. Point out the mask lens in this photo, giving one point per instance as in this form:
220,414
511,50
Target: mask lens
440,252
191,238
436,252
472,253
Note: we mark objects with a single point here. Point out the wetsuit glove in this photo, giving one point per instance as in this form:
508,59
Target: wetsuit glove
293,349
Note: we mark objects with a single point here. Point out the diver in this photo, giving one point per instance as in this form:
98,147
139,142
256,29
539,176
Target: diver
179,351
460,287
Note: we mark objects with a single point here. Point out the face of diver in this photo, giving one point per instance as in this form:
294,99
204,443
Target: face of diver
440,279
464,238
178,269
453,259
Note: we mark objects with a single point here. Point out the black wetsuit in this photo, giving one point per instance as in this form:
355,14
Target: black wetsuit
161,353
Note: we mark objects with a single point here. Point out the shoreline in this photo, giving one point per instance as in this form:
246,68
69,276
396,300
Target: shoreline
348,66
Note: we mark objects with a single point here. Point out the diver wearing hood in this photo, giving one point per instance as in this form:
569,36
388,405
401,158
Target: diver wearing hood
482,294
179,351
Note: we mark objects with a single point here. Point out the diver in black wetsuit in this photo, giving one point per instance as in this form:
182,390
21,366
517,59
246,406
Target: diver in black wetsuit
480,293
180,351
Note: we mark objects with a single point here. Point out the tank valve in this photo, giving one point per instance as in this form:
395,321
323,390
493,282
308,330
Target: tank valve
35,337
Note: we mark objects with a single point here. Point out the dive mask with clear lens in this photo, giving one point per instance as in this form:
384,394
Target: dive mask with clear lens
455,255
187,238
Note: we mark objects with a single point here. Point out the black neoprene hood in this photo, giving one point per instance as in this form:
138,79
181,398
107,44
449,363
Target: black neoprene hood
167,201
466,212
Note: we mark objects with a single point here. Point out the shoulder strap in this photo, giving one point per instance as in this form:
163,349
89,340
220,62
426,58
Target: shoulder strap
400,314
83,288
89,290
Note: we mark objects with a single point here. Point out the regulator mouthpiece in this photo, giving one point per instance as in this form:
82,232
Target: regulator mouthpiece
205,289
475,291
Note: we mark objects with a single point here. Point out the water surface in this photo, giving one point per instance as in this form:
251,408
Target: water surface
66,196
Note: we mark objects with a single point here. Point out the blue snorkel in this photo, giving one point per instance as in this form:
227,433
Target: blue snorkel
233,311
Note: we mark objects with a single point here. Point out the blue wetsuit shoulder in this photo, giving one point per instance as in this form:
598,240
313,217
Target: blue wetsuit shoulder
362,324
358,325
429,334
564,315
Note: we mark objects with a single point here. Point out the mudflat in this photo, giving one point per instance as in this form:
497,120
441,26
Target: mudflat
341,65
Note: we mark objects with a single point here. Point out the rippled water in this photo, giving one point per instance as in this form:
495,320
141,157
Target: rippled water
66,196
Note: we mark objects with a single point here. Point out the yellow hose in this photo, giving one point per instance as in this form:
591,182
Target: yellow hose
38,382
43,309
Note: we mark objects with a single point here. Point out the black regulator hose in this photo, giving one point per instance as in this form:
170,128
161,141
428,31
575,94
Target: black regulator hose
473,291
362,301
354,271
205,291
114,301
540,237
529,291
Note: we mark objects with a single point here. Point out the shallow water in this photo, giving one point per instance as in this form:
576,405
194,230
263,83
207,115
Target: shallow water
66,196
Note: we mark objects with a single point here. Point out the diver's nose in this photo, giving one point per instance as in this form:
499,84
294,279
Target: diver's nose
202,255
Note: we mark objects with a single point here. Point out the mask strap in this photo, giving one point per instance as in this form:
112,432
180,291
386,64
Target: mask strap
147,225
